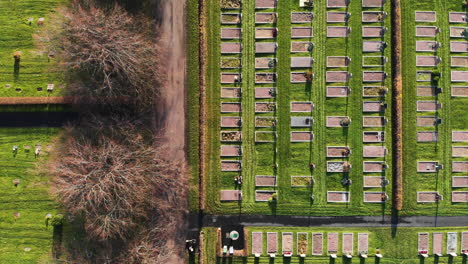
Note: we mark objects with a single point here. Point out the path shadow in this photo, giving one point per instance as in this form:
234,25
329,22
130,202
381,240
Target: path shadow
16,69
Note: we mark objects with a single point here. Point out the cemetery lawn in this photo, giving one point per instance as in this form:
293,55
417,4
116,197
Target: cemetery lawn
36,69
30,199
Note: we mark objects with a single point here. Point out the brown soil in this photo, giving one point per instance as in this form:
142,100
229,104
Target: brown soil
459,91
372,46
369,106
459,151
460,181
265,77
460,136
427,166
227,165
230,92
301,32
265,3
457,32
265,47
425,16
265,33
374,151
272,242
301,107
426,91
231,107
429,136
458,46
426,31
459,76
264,196
231,47
373,3
230,77
363,242
437,243
425,121
428,106
459,62
231,150
427,197
460,166
373,16
460,197
335,121
373,181
341,61
301,62
265,107
231,33
298,77
337,32
303,17
335,91
337,3
373,166
457,17
230,121
333,237
348,243
300,46
373,136
337,76
265,18
317,243
257,243
426,45
230,18
265,181
338,151
301,136
373,121
337,17
265,92
231,136
287,242
265,63
374,76
423,242
427,61
373,32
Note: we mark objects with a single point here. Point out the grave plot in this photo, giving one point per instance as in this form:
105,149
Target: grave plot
264,4
452,241
265,18
427,46
459,91
231,47
338,152
332,244
267,92
317,244
263,196
373,16
302,32
338,76
301,136
265,121
459,151
304,46
427,61
338,91
230,63
336,197
423,244
363,244
230,195
302,244
458,32
230,77
231,165
338,121
301,62
287,244
272,243
373,106
427,136
459,181
257,243
373,3
459,197
458,46
457,17
427,121
338,61
265,136
373,31
437,243
375,197
231,33
265,77
231,121
373,46
348,245
459,166
301,17
373,136
338,166
301,107
301,77
375,181
425,16
424,76
338,32
231,92
301,121
459,61
427,90
374,91
231,18
266,47
459,136
265,63
464,243
374,61
231,151
338,17
265,33
229,107
427,166
374,151
429,197
231,4
373,121
302,181
337,3
231,136
265,181
264,107
428,106
374,76
426,31
374,166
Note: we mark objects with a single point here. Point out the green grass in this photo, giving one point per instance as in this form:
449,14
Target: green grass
453,113
30,198
35,68
398,246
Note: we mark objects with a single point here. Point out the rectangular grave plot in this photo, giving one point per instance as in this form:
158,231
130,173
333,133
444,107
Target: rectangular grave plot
374,91
338,17
437,246
338,76
337,197
374,61
373,136
231,4
374,76
231,33
459,166
231,18
373,121
423,243
301,121
452,242
266,47
338,166
427,61
427,46
373,16
427,121
348,244
459,61
302,32
373,31
231,150
459,136
265,18
428,106
338,32
375,181
263,196
228,107
231,48
265,63
230,63
265,181
458,32
338,61
427,136
301,107
257,243
338,151
338,121
459,197
301,46
428,197
464,243
302,181
459,151
459,181
373,3
302,243
265,77
338,91
266,33
301,136
272,242
264,4
458,46
230,77
423,76
266,92
317,244
265,136
301,77
337,3
457,17
266,121
230,195
427,166
231,121
373,106
374,166
301,62
231,92
426,31
426,91
374,46
265,107
231,136
375,197
425,16
231,165
374,151
301,17
287,242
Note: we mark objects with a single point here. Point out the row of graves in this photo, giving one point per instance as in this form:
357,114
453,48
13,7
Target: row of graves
450,243
428,110
373,93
